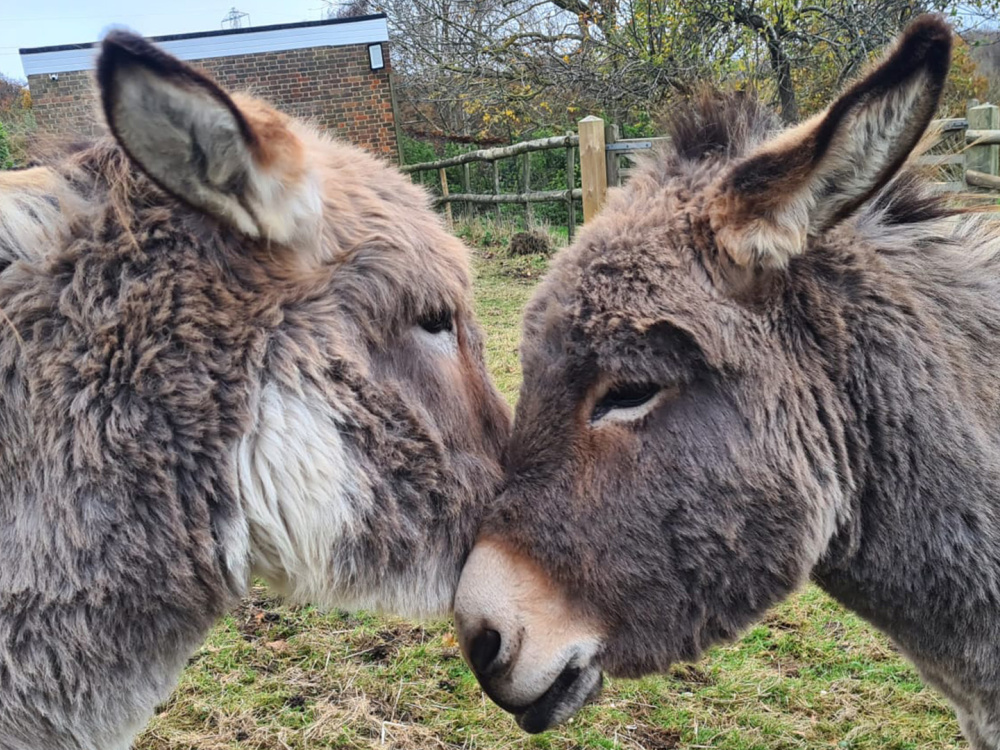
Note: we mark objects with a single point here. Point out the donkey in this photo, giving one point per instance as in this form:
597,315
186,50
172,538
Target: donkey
228,346
770,358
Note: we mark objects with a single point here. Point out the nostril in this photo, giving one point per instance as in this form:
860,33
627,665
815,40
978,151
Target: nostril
484,649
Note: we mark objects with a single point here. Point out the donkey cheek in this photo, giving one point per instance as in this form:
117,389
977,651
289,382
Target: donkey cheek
301,491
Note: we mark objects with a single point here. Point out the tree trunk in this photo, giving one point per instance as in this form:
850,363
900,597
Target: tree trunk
780,64
782,68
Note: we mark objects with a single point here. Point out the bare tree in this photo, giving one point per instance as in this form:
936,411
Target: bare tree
468,67
347,8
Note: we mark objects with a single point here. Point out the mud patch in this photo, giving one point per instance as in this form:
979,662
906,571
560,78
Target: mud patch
656,738
691,674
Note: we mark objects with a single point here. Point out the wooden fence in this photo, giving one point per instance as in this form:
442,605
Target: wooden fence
966,158
527,196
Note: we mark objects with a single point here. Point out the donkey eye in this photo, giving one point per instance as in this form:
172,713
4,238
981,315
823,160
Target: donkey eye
627,396
437,322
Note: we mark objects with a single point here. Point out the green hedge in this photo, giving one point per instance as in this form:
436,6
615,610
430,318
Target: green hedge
6,159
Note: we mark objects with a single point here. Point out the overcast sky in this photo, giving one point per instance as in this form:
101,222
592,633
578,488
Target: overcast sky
40,23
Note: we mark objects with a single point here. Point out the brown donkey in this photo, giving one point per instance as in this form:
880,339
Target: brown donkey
772,357
228,346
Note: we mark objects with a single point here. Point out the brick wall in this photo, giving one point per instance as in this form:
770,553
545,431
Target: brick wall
67,105
333,86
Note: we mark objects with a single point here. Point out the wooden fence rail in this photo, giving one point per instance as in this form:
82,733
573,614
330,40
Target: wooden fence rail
982,180
983,137
492,154
527,196
535,196
970,161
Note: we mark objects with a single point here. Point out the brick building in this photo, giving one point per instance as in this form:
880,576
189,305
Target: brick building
334,72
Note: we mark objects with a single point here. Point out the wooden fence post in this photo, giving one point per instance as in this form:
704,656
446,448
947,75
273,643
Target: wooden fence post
496,186
443,174
465,189
529,211
611,157
570,185
593,166
984,159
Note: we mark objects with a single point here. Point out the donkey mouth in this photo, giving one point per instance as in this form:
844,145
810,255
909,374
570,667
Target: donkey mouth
571,691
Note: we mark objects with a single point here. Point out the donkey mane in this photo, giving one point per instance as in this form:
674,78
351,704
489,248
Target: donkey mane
74,185
715,123
725,124
101,165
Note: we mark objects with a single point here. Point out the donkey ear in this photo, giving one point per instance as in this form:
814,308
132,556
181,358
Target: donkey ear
246,168
811,177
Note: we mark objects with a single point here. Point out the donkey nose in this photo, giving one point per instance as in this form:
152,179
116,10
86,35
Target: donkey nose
483,649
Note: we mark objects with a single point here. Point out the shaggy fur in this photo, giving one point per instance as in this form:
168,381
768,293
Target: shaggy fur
831,413
184,403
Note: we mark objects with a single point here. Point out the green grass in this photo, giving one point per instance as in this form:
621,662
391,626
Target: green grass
272,677
503,286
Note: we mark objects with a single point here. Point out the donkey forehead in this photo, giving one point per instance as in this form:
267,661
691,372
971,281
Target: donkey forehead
377,222
650,259
388,283
606,305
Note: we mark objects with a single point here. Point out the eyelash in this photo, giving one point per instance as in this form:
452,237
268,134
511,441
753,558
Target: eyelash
437,322
625,396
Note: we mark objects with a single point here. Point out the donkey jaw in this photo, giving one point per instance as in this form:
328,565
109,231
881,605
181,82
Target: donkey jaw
572,690
307,500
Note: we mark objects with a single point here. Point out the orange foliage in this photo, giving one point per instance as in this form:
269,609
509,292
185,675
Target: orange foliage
964,82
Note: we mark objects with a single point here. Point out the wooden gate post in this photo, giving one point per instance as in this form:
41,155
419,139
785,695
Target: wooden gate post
593,167
611,157
984,159
444,192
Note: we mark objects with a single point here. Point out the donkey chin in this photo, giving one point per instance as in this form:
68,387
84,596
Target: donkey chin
543,679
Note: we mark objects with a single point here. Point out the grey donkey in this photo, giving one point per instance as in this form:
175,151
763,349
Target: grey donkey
774,356
228,346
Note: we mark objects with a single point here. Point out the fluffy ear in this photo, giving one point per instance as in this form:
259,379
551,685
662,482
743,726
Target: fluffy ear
814,175
242,165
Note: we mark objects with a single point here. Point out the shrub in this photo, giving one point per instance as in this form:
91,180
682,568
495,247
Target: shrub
6,159
534,242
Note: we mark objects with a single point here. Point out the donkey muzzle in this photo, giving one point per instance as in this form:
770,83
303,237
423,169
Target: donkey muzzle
532,653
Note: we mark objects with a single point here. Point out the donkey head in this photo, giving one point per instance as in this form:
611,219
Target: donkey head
301,327
673,469
375,434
